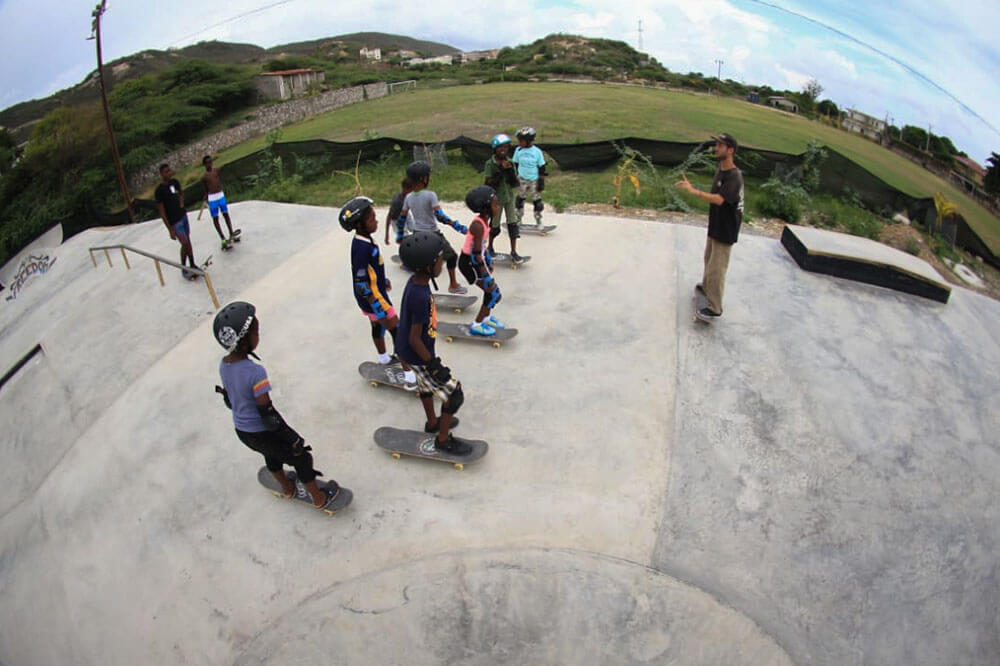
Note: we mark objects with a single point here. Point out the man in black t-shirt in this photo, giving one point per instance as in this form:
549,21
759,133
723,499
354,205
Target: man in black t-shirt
725,214
170,202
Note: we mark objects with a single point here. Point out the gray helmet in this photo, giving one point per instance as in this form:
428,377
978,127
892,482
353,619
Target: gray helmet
478,199
418,170
420,249
526,133
353,213
232,324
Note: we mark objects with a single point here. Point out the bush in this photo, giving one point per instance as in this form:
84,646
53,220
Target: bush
782,200
913,247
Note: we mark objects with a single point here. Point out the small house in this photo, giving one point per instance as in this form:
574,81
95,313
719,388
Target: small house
783,103
286,83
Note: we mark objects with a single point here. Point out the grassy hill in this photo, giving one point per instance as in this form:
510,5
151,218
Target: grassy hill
357,40
567,113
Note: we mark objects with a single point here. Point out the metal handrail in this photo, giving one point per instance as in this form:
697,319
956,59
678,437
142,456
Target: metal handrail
157,260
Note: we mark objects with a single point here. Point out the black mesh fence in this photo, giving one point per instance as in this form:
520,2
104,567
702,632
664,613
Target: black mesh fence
839,175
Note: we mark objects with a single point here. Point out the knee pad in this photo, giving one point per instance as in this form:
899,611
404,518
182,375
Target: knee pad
539,205
377,330
519,203
491,298
514,230
454,402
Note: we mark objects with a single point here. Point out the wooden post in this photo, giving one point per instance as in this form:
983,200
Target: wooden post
92,260
108,256
211,290
125,258
159,273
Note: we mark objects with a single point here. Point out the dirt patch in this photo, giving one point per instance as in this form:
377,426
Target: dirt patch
900,236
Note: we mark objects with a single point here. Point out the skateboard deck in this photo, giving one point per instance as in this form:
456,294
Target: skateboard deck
339,502
456,302
452,332
396,260
543,230
700,300
390,374
421,445
502,259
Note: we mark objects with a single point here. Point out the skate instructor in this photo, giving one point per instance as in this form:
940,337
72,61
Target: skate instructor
725,214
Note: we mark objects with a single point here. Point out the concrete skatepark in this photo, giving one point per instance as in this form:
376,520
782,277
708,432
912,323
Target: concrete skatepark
811,480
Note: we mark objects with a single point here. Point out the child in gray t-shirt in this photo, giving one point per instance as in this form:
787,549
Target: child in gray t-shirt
422,207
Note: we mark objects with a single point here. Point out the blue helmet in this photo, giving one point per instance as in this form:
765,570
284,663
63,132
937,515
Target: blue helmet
499,140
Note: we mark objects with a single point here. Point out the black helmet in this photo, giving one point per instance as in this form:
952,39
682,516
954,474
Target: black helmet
232,324
478,199
353,213
526,133
420,249
418,170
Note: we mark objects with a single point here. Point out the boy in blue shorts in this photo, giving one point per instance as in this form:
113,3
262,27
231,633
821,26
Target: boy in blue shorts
170,202
246,390
371,286
423,253
530,174
422,208
216,199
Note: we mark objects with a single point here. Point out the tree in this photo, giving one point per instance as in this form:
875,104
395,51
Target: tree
811,91
992,182
828,108
9,152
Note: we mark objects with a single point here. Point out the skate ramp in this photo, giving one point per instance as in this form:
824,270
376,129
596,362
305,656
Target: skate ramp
810,480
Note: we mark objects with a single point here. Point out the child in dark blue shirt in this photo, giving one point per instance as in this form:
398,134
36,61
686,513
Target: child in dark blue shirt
422,252
246,391
371,286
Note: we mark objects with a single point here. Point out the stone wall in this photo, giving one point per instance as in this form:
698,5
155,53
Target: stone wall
267,118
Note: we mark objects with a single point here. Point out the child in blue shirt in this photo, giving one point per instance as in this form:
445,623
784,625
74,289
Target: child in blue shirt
246,390
530,174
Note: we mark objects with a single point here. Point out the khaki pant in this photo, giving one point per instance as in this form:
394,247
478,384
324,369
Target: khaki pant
713,281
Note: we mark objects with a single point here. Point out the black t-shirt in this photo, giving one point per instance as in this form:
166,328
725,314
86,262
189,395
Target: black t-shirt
169,194
396,207
724,220
417,307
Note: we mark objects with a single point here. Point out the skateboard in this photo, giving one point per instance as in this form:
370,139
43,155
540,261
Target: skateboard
195,276
700,300
421,445
455,302
235,238
390,374
451,332
396,260
501,259
543,230
340,501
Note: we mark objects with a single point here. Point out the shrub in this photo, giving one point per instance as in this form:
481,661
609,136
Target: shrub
782,200
913,247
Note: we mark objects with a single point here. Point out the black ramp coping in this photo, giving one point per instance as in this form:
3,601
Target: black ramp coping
863,260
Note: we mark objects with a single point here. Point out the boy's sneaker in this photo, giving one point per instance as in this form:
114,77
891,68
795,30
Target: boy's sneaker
458,290
516,258
452,446
708,314
227,243
495,323
437,428
482,328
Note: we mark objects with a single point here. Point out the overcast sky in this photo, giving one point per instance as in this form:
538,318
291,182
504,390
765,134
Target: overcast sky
917,61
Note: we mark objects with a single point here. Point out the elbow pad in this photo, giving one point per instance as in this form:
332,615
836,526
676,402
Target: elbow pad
271,418
362,289
541,171
444,219
225,396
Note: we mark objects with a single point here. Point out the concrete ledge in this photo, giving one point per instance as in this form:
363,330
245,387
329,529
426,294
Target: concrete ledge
863,260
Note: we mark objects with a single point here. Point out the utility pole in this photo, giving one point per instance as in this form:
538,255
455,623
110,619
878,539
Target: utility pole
95,34
720,63
640,35
928,148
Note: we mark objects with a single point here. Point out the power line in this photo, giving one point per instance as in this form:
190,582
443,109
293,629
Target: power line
230,20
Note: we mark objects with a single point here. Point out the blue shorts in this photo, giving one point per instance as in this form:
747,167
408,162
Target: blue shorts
217,206
182,227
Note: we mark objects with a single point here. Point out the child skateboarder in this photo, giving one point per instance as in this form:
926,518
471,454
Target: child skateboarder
216,199
395,208
530,173
501,175
422,205
476,263
170,203
423,253
246,391
371,286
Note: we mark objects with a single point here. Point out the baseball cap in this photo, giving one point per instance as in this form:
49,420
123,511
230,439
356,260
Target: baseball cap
726,139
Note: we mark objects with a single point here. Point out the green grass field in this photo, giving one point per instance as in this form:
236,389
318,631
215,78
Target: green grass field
567,113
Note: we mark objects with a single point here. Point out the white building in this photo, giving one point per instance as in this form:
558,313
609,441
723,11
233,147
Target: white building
448,59
862,123
371,54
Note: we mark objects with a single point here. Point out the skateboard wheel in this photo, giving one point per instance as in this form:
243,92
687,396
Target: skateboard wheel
459,466
395,456
496,345
328,512
457,310
448,338
374,384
